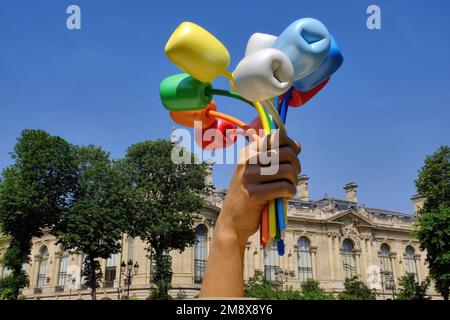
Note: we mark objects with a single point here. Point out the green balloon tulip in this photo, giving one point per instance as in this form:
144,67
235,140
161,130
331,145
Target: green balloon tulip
181,92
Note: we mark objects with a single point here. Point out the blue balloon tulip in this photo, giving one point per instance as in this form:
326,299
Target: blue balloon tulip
329,66
306,42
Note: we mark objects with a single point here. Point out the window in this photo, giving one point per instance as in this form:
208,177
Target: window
110,271
271,262
348,258
200,253
63,277
385,264
304,260
42,268
410,261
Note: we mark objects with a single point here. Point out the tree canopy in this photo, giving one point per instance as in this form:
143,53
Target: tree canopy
433,223
163,196
95,223
34,191
410,289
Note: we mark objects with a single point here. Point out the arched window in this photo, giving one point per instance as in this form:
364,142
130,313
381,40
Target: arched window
271,262
410,261
63,264
200,253
130,248
348,258
385,264
110,271
304,259
42,268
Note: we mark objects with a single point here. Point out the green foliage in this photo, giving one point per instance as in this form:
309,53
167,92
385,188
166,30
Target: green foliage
162,276
433,181
433,233
433,224
9,285
258,287
162,197
311,290
410,289
34,190
96,221
354,289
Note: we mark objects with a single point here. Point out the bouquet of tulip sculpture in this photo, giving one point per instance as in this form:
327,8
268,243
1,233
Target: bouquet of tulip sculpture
276,72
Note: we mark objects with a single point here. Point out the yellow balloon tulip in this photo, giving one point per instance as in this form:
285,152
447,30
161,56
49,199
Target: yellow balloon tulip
198,53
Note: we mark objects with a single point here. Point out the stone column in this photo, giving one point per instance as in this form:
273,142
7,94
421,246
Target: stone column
35,274
56,271
421,269
330,257
337,259
314,263
393,258
358,264
364,257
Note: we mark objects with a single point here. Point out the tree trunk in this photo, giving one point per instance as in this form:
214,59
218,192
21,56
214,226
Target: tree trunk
93,279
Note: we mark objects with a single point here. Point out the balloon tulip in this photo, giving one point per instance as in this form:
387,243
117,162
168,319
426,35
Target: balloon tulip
255,127
216,136
259,41
189,118
306,42
197,52
264,74
329,66
182,92
299,98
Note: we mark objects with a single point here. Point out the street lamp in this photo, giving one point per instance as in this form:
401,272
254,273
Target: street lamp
389,277
281,276
126,269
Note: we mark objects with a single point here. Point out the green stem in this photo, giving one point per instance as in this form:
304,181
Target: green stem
227,93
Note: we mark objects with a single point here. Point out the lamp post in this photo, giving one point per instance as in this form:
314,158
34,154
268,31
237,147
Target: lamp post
281,276
126,269
389,277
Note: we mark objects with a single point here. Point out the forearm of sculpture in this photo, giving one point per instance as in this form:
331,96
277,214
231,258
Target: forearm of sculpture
224,271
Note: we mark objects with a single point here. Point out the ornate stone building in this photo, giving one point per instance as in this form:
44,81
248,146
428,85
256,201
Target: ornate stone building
327,240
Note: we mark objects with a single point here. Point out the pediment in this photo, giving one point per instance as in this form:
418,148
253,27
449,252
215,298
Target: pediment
351,217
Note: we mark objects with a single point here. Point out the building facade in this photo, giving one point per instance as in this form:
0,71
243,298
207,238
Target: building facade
327,240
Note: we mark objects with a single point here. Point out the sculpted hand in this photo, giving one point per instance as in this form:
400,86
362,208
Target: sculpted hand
255,182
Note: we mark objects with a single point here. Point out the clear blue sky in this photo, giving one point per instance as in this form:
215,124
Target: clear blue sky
374,123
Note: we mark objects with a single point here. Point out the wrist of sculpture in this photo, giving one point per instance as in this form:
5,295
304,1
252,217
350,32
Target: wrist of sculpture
227,234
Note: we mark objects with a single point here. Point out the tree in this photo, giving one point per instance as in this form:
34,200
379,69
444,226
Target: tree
34,190
311,290
354,289
260,288
433,223
96,221
411,289
163,197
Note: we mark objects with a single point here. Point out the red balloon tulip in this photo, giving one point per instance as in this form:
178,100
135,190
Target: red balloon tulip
221,134
298,98
256,127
